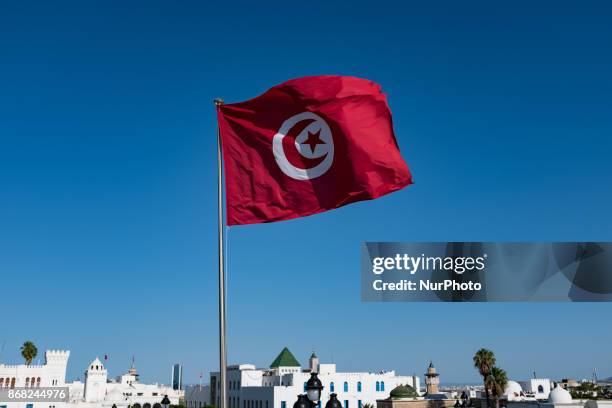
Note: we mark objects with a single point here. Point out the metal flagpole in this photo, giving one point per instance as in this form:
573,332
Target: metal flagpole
222,350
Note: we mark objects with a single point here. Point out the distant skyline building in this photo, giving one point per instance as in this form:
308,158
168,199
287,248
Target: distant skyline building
97,391
177,377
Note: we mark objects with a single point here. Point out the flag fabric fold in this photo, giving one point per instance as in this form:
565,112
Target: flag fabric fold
306,146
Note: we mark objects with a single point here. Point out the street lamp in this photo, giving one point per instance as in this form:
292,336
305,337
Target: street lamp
312,398
165,402
333,401
314,388
302,402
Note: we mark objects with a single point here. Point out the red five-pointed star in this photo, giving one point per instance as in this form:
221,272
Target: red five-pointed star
313,140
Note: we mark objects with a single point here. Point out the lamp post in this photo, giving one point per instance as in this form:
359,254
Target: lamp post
165,402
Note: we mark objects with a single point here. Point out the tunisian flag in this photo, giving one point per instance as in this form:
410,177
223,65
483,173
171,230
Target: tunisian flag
306,146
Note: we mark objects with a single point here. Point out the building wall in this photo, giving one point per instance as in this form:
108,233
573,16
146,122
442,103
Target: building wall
51,374
197,396
540,387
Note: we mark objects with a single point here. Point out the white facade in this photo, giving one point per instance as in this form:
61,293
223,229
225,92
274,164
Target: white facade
538,387
278,387
96,392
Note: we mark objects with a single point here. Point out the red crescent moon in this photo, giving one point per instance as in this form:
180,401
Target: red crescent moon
291,153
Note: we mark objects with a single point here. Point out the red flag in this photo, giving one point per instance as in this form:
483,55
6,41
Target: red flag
306,146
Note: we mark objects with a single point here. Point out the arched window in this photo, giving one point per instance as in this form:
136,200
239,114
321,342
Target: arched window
146,405
345,386
13,382
27,382
331,387
304,386
1,382
540,389
377,386
359,387
38,382
382,385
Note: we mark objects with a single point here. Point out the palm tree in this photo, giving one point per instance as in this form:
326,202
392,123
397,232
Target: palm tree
498,379
484,361
29,352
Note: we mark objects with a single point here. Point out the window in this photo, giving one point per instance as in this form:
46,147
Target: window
359,387
346,404
540,389
331,387
29,405
38,385
359,404
345,386
27,382
283,404
382,385
304,386
377,386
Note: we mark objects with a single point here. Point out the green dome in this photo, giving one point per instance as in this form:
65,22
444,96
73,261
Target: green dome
403,391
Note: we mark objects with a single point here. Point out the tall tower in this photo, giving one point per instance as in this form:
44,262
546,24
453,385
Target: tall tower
432,379
314,363
95,381
56,362
177,377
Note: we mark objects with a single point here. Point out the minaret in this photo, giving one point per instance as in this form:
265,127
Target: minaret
432,379
314,363
133,369
95,381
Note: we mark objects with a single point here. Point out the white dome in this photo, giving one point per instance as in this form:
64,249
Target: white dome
559,396
513,391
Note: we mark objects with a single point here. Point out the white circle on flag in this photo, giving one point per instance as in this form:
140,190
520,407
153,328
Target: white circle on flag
314,143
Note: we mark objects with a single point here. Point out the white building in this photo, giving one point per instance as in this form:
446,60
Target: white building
560,398
96,392
537,387
279,386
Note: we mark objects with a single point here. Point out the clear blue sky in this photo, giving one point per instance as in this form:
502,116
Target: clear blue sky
107,180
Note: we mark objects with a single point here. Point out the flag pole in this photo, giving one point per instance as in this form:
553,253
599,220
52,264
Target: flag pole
222,348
